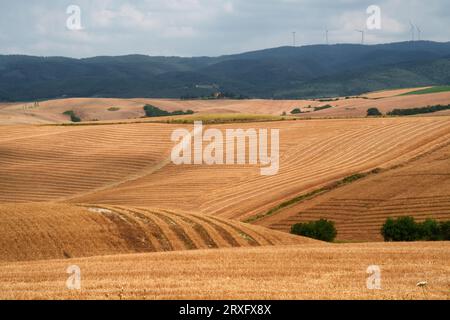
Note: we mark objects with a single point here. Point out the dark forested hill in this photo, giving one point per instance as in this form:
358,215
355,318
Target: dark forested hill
286,72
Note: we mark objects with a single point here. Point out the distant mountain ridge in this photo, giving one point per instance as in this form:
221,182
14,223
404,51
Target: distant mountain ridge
281,73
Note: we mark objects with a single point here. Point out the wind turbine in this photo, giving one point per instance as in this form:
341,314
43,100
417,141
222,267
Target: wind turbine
413,30
294,38
362,35
419,32
326,36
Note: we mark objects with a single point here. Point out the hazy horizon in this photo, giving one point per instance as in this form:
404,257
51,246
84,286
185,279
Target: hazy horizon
217,56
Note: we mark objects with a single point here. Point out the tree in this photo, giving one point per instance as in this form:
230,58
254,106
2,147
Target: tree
323,230
152,111
374,112
402,229
72,115
430,230
445,230
296,111
406,229
389,230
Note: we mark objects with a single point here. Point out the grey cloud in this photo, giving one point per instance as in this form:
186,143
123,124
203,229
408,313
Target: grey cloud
205,27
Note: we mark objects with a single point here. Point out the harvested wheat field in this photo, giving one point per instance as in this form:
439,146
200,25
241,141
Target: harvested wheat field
48,163
357,107
420,188
130,164
313,271
113,109
108,199
312,153
58,231
93,109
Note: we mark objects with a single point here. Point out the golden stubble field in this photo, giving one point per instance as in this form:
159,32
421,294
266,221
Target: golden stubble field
46,231
114,109
108,199
130,164
419,188
314,271
312,153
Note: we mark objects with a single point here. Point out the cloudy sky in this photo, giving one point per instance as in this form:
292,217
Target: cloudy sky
206,27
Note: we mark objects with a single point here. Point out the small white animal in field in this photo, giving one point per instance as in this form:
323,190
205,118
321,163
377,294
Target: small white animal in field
422,284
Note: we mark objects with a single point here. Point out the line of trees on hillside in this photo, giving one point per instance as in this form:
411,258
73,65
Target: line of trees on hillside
394,230
152,112
413,111
407,229
374,112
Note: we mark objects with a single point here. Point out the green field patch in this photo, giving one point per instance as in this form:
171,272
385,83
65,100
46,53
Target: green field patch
428,90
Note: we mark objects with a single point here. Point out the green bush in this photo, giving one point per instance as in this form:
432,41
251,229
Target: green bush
430,230
407,229
296,111
323,230
402,229
152,112
374,112
445,230
72,115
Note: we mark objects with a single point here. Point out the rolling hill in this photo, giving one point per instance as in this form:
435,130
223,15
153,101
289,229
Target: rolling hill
419,188
110,110
129,165
59,231
312,154
285,72
105,196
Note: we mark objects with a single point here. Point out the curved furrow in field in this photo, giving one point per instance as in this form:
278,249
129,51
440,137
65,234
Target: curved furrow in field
67,163
38,231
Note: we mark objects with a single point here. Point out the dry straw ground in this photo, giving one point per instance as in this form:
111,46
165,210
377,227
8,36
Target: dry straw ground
58,231
294,272
94,109
420,188
107,198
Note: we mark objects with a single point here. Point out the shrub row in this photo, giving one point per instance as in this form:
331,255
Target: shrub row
407,229
410,112
152,112
323,230
323,107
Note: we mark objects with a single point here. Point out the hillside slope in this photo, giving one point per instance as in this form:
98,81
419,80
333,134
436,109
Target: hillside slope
286,72
312,154
107,109
420,189
130,164
56,231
